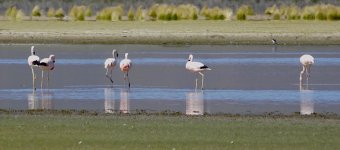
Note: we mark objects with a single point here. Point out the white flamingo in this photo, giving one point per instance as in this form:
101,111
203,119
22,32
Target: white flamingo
307,61
125,66
33,61
110,63
46,64
196,67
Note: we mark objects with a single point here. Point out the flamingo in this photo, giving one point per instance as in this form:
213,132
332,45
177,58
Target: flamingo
110,63
125,66
33,61
196,67
307,61
46,64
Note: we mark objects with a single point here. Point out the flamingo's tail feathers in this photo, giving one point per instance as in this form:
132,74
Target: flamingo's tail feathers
36,63
205,67
43,64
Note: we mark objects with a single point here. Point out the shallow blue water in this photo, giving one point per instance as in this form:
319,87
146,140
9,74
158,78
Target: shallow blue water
180,61
281,96
160,99
243,79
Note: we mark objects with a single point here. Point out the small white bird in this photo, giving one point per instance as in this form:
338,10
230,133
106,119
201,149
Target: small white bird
33,62
46,64
307,61
274,41
196,67
125,66
110,63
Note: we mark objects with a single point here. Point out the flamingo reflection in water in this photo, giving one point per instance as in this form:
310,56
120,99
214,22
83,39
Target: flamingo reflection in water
124,101
43,102
109,102
306,100
194,103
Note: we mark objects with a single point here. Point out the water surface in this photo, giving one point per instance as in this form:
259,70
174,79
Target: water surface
243,79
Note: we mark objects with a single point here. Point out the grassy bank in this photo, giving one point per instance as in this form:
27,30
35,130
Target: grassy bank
179,32
166,132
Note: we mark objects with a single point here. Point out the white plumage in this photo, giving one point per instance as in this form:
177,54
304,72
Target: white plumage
307,61
196,67
46,64
125,65
33,61
274,41
110,63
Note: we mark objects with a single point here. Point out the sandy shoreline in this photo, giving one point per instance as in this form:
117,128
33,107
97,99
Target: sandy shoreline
127,37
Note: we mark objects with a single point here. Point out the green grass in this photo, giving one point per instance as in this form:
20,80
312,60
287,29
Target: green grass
174,27
179,32
166,132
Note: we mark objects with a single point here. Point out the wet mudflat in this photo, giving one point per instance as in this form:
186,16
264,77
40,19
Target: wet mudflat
250,79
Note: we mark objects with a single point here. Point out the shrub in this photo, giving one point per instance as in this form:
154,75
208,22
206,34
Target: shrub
248,9
11,13
283,10
240,15
293,13
131,14
270,10
117,13
20,15
277,15
139,13
228,13
36,11
163,12
321,13
217,13
77,13
59,14
51,12
186,11
152,13
332,13
110,13
174,16
88,12
243,12
308,13
104,14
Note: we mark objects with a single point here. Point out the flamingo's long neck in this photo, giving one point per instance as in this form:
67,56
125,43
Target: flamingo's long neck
32,50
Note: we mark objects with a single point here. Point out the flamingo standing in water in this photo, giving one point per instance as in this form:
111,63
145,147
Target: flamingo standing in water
33,62
125,66
307,61
196,67
110,63
46,64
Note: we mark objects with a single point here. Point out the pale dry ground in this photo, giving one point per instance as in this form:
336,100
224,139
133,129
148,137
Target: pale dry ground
171,32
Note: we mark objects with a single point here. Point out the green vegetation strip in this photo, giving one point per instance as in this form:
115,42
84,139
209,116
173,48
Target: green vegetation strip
166,132
165,32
